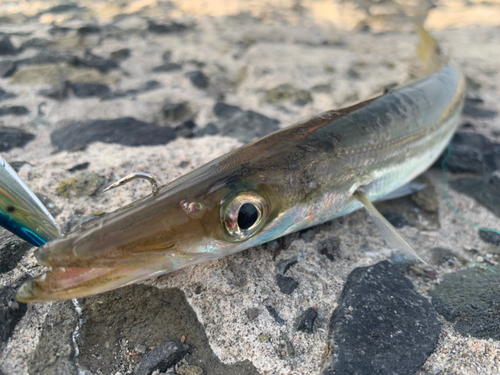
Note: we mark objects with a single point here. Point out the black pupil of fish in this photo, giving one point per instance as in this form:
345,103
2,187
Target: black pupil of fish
11,209
247,216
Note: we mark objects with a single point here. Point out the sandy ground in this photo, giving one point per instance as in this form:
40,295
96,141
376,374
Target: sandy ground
282,45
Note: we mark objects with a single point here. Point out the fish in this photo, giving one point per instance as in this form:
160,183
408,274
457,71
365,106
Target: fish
297,177
21,212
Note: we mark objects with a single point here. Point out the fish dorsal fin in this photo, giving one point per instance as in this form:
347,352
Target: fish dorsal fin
390,234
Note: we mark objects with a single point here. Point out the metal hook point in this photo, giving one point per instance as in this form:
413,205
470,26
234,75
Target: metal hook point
133,176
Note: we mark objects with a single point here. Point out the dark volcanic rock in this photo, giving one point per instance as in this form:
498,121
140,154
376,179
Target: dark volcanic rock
58,92
198,79
186,129
223,110
306,321
4,95
381,325
89,29
244,126
55,353
148,86
15,110
13,137
472,108
286,284
175,112
170,27
61,8
121,54
442,256
12,249
126,131
35,43
471,152
96,62
329,248
6,46
79,167
162,357
87,90
11,311
285,264
275,315
484,189
470,299
490,237
7,68
395,218
49,57
209,129
167,67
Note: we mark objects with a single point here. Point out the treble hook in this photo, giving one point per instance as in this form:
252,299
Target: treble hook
133,176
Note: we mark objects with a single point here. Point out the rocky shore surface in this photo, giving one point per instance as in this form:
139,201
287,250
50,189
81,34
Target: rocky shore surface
91,91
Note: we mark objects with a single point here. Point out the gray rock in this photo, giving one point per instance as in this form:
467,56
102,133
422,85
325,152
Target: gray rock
96,62
7,68
162,357
166,28
395,218
49,57
11,311
275,315
209,129
402,262
470,299
285,264
285,92
167,67
61,8
79,167
223,110
381,325
6,46
471,108
175,112
186,129
305,322
426,198
490,237
148,86
166,56
35,43
126,131
87,90
190,370
88,30
286,284
55,352
329,248
483,189
441,256
83,185
246,126
121,54
13,137
4,95
15,110
198,79
58,92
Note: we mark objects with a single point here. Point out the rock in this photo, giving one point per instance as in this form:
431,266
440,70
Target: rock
55,352
490,237
61,8
170,27
470,299
329,248
189,370
253,313
198,79
166,56
35,43
471,109
274,314
126,131
162,357
87,90
381,325
121,54
4,95
79,167
285,347
148,86
287,92
11,311
426,198
482,188
12,249
441,256
49,57
83,185
244,126
6,46
285,264
88,30
305,322
286,284
395,218
471,152
16,165
15,110
49,204
58,92
7,68
58,30
97,62
186,129
175,112
403,261
209,129
167,67
13,137
223,110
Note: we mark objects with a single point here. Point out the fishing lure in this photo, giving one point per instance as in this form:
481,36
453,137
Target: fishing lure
21,211
292,179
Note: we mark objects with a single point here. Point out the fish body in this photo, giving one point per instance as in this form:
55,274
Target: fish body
21,212
292,179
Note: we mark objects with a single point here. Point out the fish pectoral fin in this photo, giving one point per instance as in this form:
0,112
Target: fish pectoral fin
405,190
390,234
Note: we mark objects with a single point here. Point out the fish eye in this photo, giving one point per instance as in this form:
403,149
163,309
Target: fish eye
243,215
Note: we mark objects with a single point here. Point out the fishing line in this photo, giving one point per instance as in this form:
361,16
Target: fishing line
457,212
